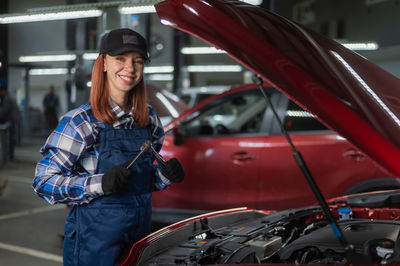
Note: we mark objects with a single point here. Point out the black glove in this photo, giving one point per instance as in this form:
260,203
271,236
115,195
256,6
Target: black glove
173,170
116,178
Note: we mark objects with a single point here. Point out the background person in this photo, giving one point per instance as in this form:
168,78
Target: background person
9,112
83,159
50,105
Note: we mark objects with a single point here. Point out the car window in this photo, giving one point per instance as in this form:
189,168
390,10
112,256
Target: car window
203,96
242,113
296,119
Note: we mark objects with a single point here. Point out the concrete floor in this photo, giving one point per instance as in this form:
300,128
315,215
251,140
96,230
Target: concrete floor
30,228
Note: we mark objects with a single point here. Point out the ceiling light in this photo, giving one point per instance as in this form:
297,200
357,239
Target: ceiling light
141,9
296,113
136,9
49,15
158,69
90,56
201,50
47,58
48,71
214,68
160,77
365,46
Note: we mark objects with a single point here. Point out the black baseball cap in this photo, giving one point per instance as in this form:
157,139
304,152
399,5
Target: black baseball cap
123,40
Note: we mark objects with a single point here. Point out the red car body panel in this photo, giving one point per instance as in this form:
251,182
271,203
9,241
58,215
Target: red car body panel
317,73
258,171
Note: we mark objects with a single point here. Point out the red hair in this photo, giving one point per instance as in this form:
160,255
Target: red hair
99,97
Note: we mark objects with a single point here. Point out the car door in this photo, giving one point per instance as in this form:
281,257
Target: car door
221,153
334,163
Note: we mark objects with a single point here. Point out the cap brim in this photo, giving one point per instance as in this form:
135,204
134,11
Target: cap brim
126,49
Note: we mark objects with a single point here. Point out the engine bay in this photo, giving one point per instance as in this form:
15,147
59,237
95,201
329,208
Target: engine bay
299,236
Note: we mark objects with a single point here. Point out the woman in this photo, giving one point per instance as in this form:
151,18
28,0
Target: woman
85,159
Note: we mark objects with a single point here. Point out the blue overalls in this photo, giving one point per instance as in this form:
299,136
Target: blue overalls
95,233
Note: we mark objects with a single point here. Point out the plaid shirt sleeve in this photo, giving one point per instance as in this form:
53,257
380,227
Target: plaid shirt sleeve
157,131
56,178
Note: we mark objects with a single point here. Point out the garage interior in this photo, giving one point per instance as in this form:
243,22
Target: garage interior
31,231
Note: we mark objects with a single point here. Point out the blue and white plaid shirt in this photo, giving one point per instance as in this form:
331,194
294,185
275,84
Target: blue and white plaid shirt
66,173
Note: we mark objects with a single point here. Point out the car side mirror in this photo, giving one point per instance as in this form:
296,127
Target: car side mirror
179,135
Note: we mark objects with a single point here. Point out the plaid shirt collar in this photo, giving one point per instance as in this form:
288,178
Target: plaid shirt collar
122,117
117,110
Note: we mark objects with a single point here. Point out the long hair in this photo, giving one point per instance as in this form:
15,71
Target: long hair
99,95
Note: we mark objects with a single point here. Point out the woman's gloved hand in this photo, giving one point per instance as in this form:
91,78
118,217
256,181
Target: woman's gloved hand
116,178
173,170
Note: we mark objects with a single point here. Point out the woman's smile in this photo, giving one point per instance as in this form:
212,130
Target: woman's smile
127,79
123,72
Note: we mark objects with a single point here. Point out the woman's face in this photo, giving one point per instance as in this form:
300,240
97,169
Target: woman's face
123,72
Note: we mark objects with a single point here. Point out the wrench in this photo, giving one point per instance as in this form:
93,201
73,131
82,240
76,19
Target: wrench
146,146
159,158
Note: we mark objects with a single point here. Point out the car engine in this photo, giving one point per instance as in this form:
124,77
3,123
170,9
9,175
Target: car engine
300,236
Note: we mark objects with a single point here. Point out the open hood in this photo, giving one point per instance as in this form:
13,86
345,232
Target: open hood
348,93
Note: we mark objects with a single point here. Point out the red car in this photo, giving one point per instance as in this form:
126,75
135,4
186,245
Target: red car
232,145
349,94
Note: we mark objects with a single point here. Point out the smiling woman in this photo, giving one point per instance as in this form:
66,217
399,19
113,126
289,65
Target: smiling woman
122,73
87,160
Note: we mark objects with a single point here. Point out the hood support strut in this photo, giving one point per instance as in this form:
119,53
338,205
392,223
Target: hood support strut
349,248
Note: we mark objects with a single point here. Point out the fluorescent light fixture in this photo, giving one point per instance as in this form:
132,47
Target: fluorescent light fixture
158,69
160,77
48,71
217,89
214,68
364,46
89,84
201,50
47,16
137,9
294,113
47,58
1,64
90,56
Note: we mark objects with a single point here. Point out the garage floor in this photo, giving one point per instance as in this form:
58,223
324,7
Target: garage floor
30,229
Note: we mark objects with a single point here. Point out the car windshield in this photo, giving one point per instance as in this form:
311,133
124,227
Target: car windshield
242,113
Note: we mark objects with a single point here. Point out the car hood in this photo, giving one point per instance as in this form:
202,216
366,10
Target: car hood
348,93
